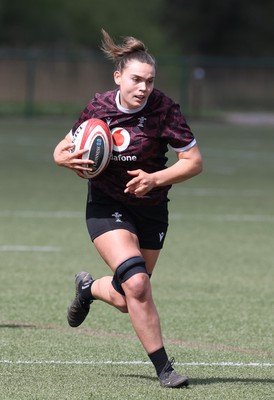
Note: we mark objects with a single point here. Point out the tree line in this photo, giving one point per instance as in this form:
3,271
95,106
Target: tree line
196,27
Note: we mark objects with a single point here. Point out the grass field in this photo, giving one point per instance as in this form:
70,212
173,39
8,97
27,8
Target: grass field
213,285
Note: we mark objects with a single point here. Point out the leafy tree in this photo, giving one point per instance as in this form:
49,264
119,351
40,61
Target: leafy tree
29,22
67,23
203,27
213,27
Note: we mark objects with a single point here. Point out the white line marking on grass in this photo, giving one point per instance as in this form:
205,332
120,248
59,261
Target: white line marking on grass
226,364
46,249
75,362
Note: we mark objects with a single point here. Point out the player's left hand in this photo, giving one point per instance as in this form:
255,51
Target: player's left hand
141,184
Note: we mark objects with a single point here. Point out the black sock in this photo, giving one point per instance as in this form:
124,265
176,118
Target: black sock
86,291
159,360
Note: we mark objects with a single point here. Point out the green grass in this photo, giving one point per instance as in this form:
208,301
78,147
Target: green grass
213,285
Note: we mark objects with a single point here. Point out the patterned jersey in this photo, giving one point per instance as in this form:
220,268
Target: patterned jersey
141,138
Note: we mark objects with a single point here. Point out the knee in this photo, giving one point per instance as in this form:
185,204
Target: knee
138,287
131,275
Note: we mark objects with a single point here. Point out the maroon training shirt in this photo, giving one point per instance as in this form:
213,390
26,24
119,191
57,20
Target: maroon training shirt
141,138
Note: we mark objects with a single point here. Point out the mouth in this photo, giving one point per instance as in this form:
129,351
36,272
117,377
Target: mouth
140,98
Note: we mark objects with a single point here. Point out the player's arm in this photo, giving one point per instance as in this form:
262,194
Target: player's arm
65,157
188,165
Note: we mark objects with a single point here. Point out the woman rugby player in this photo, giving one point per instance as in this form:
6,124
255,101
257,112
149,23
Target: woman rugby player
127,205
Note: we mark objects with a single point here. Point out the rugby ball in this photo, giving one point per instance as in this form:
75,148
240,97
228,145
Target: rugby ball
94,135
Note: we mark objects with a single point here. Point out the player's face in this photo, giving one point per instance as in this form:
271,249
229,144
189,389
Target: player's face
136,82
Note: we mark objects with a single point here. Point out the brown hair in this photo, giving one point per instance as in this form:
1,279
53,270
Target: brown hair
130,49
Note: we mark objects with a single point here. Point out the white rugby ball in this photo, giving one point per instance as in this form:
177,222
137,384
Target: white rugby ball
94,135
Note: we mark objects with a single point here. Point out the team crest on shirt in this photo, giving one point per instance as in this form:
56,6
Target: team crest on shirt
141,122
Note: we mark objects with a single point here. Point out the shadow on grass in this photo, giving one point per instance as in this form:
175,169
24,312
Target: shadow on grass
205,381
17,325
212,381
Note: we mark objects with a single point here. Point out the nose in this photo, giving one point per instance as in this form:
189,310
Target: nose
143,86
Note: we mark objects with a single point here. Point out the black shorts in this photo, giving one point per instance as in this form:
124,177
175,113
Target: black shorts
149,223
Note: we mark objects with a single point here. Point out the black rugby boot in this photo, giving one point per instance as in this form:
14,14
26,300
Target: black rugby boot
79,308
170,379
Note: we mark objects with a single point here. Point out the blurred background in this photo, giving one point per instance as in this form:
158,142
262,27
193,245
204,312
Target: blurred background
214,57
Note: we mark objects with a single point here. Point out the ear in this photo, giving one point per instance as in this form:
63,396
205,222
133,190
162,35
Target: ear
117,77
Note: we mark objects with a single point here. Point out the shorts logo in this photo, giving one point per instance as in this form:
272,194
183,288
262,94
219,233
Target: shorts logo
117,216
161,236
121,139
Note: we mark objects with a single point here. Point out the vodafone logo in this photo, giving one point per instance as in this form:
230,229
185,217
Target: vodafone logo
121,139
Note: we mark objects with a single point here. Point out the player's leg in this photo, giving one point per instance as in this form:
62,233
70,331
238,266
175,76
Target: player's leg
120,250
130,290
115,247
130,279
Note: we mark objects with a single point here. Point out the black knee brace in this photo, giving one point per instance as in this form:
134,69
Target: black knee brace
126,270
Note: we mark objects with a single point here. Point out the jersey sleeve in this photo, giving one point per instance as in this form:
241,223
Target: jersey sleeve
98,107
176,130
87,113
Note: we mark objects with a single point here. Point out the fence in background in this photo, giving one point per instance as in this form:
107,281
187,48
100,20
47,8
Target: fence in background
38,81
